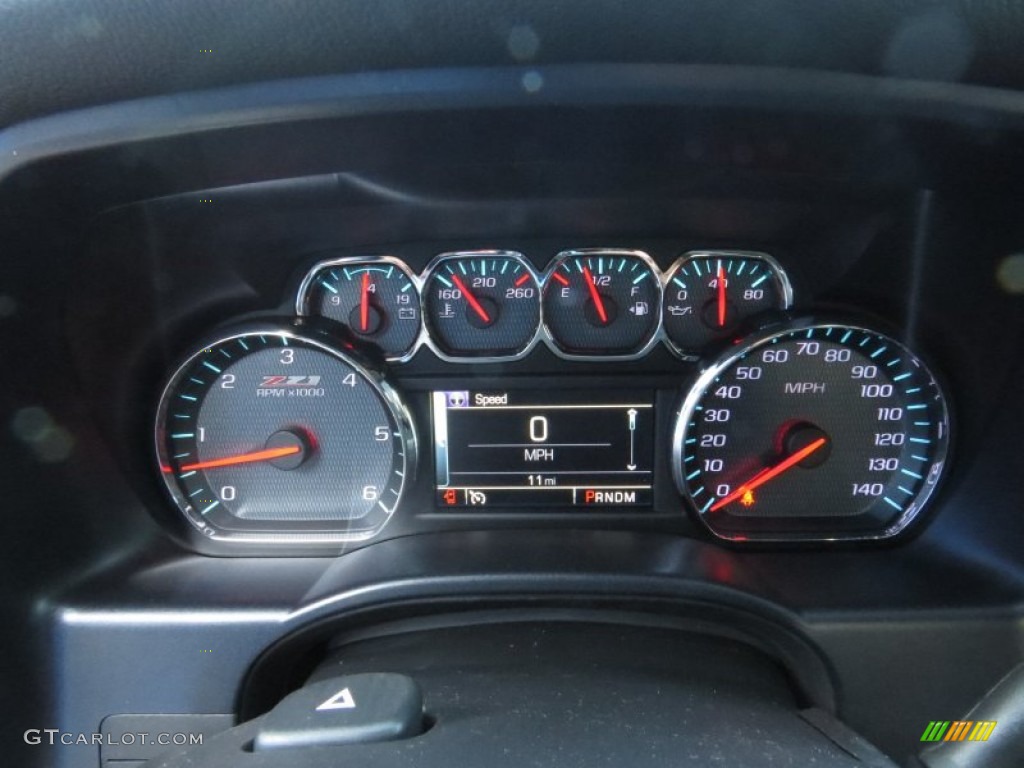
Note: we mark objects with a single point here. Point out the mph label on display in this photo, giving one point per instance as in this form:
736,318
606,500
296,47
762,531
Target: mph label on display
531,448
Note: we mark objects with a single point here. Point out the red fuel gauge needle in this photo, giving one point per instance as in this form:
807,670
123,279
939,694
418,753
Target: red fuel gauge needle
595,296
364,304
767,474
721,297
476,305
242,458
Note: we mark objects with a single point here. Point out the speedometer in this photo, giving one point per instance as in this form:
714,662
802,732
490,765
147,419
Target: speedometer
822,432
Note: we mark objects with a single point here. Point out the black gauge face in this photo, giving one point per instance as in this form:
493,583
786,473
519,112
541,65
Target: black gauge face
602,303
709,296
276,436
826,432
375,299
481,305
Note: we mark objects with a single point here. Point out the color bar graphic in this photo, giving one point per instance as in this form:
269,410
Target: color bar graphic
958,730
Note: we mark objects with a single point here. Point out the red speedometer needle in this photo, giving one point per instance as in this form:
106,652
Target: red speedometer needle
364,304
243,458
767,474
721,297
595,296
476,305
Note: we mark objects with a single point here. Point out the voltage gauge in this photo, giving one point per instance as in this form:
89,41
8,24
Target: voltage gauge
481,304
375,298
273,437
602,303
710,295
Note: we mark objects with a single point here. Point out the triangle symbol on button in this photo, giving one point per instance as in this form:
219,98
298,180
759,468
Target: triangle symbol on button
341,700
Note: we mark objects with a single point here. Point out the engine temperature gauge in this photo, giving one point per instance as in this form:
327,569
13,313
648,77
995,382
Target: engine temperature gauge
708,296
482,304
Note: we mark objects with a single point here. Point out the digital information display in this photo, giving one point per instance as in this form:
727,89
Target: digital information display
531,448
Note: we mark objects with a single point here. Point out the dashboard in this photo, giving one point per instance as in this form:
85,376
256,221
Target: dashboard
279,434
526,381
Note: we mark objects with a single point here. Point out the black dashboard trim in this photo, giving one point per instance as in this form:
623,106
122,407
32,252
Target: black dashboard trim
302,99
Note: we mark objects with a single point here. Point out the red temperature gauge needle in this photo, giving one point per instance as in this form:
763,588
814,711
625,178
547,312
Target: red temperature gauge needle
721,297
364,304
765,475
595,296
476,305
242,458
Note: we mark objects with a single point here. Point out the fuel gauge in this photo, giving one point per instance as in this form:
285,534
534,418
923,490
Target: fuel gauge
602,303
375,298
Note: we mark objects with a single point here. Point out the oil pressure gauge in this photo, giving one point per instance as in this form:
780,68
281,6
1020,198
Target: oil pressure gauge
710,295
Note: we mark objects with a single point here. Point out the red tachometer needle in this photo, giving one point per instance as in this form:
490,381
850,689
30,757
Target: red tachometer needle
595,296
767,474
364,304
476,305
721,297
243,458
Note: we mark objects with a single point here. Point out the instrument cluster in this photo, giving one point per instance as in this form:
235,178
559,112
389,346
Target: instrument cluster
283,433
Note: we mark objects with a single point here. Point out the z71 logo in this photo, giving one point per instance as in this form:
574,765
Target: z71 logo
290,386
289,381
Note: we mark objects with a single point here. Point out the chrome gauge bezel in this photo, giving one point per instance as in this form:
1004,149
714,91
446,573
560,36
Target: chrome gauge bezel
562,256
285,539
302,295
542,278
695,395
428,274
782,280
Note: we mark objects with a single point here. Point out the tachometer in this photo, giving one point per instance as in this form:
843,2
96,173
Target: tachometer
814,433
271,436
